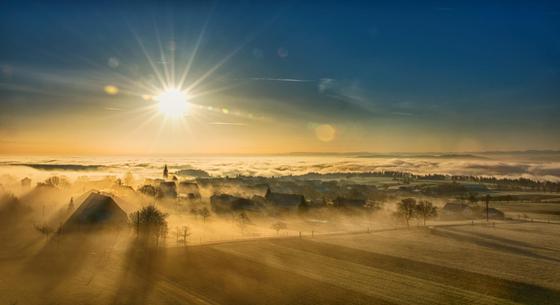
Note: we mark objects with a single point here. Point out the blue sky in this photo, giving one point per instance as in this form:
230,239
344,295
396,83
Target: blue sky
484,72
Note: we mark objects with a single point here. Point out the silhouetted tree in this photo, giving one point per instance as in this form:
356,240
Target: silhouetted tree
407,209
57,181
425,209
243,221
149,190
279,225
183,234
150,222
205,213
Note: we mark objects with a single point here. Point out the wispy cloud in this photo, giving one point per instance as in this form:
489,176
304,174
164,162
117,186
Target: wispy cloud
228,123
293,80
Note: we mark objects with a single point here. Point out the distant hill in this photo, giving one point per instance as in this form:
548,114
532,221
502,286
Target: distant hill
393,155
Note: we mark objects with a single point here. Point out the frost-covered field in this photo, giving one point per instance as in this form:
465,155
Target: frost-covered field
510,263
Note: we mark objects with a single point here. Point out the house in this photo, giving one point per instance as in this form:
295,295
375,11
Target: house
167,189
495,213
97,211
457,211
188,189
284,201
341,202
224,203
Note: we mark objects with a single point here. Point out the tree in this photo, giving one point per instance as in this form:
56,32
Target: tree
183,234
56,181
149,190
195,212
205,213
407,209
425,209
243,221
150,222
279,225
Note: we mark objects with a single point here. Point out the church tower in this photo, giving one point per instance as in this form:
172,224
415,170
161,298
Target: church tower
165,172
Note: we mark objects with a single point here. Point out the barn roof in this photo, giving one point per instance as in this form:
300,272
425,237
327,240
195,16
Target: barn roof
97,210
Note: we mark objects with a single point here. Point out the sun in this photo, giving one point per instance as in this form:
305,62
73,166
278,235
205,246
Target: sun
173,103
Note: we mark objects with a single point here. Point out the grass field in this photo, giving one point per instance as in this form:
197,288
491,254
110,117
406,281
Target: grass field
511,263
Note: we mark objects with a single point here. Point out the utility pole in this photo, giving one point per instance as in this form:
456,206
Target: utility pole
487,201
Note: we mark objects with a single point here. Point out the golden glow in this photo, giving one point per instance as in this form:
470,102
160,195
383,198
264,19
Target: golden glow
173,103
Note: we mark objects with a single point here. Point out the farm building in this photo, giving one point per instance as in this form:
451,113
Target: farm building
97,211
189,190
167,189
495,213
224,203
283,200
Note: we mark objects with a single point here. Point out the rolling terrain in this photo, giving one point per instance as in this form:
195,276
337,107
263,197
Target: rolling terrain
509,263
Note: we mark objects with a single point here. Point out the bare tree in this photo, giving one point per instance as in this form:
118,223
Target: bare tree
407,209
183,234
243,221
205,213
279,225
425,209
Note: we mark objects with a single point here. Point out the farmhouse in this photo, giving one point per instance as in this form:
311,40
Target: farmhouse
168,189
97,211
495,213
284,201
189,190
224,203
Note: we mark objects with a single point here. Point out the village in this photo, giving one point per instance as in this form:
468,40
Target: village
310,204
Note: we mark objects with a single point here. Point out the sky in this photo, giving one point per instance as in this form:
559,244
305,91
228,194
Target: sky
260,77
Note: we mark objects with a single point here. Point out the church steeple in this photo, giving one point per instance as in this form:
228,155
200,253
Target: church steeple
165,172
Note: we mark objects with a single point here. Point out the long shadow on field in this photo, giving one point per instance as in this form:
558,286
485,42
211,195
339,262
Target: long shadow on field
464,237
59,260
217,277
507,241
139,274
484,284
